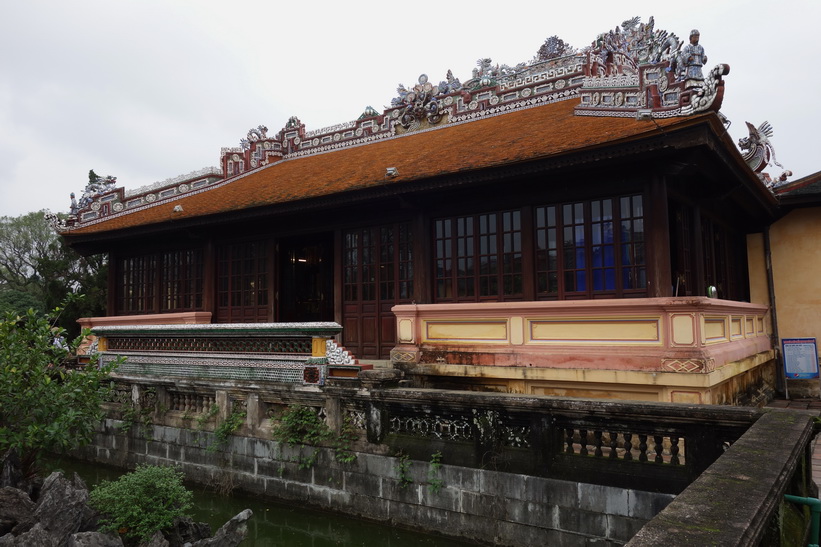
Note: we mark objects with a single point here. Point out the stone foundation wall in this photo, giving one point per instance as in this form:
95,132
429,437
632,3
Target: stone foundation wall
481,505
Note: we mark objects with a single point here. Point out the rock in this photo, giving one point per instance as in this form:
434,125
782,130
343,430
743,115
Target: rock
11,472
36,537
157,540
16,507
61,509
94,539
185,530
231,533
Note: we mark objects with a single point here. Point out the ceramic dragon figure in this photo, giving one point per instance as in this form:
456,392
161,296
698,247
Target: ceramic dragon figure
758,151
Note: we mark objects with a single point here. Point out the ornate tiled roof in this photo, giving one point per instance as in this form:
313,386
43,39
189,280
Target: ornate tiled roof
563,100
804,189
528,134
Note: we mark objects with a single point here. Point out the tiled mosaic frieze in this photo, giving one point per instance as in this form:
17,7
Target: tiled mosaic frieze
210,344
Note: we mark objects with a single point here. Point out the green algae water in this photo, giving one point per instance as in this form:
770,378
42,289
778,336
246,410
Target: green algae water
276,524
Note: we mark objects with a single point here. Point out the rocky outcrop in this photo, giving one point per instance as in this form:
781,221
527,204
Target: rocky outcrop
61,517
231,533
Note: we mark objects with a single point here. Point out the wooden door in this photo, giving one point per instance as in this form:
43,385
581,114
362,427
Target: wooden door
377,275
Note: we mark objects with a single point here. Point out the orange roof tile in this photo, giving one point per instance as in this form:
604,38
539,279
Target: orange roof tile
519,136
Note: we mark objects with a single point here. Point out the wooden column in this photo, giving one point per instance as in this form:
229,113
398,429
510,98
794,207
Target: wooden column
209,281
422,259
699,272
659,269
111,293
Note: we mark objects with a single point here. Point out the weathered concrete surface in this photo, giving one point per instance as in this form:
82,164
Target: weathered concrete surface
483,505
735,499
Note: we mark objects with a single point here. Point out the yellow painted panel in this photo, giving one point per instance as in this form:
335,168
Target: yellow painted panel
750,328
715,329
735,326
405,328
684,329
517,330
628,331
690,397
596,392
478,330
318,347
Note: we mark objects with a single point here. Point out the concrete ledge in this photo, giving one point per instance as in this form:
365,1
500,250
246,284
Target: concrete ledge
733,502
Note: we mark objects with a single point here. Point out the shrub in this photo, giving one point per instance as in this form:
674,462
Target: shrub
142,502
46,405
300,424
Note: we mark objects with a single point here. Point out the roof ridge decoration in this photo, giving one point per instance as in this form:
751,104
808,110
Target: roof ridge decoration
758,152
633,68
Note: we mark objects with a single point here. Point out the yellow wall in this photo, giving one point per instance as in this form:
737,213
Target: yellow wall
795,242
759,293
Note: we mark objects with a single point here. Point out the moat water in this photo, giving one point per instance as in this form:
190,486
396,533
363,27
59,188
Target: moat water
277,524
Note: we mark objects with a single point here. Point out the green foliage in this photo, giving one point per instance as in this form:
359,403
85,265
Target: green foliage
300,424
343,443
142,502
44,405
35,261
434,482
19,302
403,470
203,418
307,462
132,416
226,429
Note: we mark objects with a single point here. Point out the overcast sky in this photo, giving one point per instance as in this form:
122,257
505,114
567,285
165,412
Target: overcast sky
148,90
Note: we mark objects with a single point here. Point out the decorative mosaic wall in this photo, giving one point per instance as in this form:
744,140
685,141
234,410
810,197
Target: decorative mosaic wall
275,352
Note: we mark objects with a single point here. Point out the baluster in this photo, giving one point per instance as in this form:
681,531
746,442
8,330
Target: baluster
659,440
583,441
569,440
614,444
597,452
628,446
674,460
642,448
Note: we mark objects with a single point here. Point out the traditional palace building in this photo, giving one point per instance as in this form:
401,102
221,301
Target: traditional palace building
576,225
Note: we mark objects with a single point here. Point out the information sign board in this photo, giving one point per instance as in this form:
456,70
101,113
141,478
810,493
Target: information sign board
800,358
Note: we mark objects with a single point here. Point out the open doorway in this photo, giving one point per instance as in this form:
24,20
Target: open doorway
306,279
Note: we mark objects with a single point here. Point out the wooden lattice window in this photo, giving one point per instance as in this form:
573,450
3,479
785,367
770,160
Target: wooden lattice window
479,257
590,249
181,280
136,284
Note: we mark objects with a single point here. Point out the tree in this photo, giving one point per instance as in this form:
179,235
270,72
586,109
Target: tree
142,502
45,406
36,261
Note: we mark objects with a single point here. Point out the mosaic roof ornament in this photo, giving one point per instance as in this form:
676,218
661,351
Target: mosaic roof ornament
369,112
692,58
420,103
553,48
97,186
758,152
258,133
